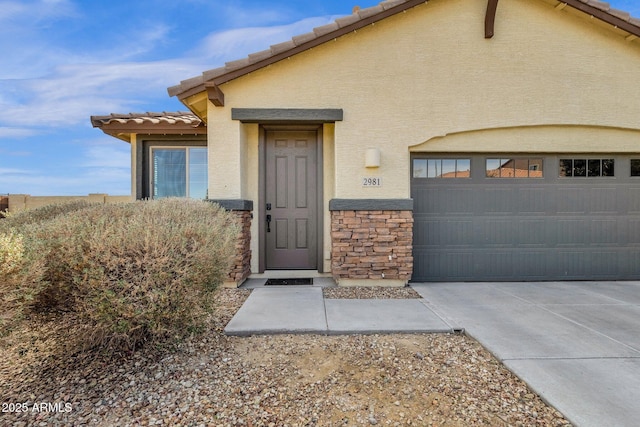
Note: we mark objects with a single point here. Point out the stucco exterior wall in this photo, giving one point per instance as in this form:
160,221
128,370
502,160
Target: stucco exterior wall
428,73
328,133
536,139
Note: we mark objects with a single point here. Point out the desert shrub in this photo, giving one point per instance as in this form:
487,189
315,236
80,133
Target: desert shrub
130,273
11,252
41,214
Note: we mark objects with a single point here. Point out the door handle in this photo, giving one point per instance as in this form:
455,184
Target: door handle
268,223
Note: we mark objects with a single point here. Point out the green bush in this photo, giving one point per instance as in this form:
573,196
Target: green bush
126,274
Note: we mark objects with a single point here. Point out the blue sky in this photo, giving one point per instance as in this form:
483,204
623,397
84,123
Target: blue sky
64,60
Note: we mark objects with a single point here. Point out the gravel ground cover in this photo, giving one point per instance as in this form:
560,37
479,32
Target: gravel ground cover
370,292
283,380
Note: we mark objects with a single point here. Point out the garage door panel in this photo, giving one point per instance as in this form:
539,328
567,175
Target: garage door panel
631,264
573,265
551,228
427,231
532,200
496,232
497,201
424,201
458,232
495,264
572,232
605,264
603,200
634,200
633,232
532,265
571,200
604,232
457,201
533,232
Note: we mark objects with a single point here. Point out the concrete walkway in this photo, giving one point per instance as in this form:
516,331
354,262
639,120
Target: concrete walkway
577,344
302,309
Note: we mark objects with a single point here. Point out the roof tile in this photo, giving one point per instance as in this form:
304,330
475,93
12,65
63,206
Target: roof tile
388,4
370,11
259,56
179,117
282,47
347,20
208,75
599,5
625,16
238,63
325,29
303,38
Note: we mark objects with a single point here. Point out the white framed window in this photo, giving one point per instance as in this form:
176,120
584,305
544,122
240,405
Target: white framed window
178,172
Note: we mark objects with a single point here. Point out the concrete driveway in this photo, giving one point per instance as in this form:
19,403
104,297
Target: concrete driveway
577,344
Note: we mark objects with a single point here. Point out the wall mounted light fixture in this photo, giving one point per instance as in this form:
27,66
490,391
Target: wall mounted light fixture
372,158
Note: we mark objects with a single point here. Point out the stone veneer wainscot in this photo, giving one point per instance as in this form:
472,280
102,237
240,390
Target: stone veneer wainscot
371,245
241,266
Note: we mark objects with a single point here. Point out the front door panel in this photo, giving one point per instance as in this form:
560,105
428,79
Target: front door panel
291,192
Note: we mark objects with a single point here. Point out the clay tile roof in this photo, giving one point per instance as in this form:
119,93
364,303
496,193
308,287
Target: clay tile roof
359,19
180,117
124,125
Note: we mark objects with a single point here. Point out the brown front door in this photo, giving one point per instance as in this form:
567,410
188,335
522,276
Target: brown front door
291,200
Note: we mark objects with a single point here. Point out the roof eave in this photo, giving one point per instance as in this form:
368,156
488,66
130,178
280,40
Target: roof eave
610,16
212,79
187,88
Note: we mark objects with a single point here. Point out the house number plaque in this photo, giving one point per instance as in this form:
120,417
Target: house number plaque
372,181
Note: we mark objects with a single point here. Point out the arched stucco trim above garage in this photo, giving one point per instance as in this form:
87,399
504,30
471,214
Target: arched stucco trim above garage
536,139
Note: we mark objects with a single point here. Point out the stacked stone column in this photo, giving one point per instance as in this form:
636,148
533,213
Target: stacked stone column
372,246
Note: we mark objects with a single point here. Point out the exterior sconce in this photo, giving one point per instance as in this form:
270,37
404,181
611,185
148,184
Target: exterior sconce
372,158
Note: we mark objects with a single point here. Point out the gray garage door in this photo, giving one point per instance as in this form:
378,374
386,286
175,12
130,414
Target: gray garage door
512,218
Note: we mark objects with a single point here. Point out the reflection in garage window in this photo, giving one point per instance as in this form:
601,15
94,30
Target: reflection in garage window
441,168
587,167
514,168
635,167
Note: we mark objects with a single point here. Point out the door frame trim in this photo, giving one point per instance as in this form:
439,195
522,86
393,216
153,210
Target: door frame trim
262,174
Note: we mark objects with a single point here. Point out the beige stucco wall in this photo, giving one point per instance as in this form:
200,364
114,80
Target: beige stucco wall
329,187
428,80
536,139
428,73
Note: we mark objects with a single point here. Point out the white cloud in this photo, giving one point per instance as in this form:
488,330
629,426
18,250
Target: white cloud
74,91
14,132
107,154
15,171
233,44
16,14
235,15
77,91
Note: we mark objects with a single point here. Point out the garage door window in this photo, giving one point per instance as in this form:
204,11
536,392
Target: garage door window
589,168
635,167
441,168
514,168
